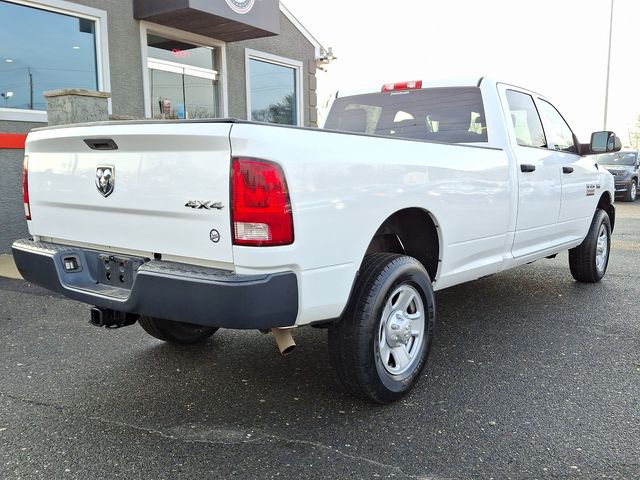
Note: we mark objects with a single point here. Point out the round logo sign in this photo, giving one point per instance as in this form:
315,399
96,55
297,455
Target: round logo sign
241,6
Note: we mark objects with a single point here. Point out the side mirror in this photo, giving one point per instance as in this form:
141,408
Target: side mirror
605,142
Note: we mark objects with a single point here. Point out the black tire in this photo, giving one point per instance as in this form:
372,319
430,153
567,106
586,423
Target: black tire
356,340
176,332
583,260
632,192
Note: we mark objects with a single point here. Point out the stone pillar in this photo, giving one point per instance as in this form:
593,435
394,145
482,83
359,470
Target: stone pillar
313,96
76,106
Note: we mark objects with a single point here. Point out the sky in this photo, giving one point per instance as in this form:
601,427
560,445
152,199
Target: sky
558,48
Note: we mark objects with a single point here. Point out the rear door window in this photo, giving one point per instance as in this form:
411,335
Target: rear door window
451,115
525,120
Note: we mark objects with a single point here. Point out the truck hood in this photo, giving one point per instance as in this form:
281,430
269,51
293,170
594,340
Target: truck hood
619,169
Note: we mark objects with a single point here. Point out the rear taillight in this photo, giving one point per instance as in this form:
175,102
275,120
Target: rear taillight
25,187
260,206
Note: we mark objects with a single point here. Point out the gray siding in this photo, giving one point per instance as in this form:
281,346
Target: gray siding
12,222
125,57
18,127
289,44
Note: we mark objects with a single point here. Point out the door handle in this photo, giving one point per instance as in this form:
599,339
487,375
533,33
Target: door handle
567,169
526,168
101,144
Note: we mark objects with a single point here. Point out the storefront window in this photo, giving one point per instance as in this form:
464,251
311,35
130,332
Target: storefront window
41,51
183,79
273,92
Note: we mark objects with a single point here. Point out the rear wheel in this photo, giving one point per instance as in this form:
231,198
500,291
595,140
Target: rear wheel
176,332
589,260
381,344
632,191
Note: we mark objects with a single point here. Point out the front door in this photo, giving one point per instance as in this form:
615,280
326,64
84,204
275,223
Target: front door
580,190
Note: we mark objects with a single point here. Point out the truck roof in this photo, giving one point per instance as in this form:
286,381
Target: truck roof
440,83
426,83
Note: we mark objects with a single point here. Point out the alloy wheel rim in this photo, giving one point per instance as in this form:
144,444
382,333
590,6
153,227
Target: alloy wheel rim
402,330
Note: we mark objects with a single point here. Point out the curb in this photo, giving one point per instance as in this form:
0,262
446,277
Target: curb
8,268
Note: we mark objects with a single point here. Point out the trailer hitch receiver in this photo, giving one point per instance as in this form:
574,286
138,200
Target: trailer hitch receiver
111,319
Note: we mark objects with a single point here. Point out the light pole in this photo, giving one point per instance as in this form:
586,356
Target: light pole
606,92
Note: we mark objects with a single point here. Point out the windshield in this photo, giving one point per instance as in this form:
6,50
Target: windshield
618,158
451,115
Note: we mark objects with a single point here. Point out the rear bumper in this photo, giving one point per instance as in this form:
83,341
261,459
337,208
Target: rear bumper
173,291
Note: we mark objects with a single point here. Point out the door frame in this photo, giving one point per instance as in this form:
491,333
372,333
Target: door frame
295,65
146,27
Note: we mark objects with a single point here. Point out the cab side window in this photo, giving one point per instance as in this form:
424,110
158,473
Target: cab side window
525,120
559,132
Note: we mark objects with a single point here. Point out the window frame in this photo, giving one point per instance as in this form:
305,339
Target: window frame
511,127
547,128
297,67
180,35
102,51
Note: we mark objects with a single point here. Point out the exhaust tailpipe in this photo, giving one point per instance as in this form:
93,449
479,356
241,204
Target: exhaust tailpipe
284,340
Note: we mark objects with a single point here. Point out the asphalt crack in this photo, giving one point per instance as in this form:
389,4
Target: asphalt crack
258,439
31,402
182,438
342,454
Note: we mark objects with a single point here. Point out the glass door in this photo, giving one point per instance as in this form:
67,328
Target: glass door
183,79
179,92
200,97
167,94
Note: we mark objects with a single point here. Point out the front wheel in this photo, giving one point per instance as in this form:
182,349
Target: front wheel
632,191
176,332
381,344
589,260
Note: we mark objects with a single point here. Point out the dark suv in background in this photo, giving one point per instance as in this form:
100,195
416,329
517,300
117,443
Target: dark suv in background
623,165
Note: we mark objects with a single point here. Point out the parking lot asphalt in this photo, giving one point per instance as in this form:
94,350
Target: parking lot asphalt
532,375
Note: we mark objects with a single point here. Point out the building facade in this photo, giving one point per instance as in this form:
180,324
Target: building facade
175,59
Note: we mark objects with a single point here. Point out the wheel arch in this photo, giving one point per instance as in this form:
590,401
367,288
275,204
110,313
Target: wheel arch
606,204
413,232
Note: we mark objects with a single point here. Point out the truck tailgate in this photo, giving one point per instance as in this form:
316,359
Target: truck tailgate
169,181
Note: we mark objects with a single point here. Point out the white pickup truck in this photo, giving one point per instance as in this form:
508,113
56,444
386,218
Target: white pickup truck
191,226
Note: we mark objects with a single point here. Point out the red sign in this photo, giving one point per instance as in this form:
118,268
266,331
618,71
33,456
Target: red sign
12,140
176,52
